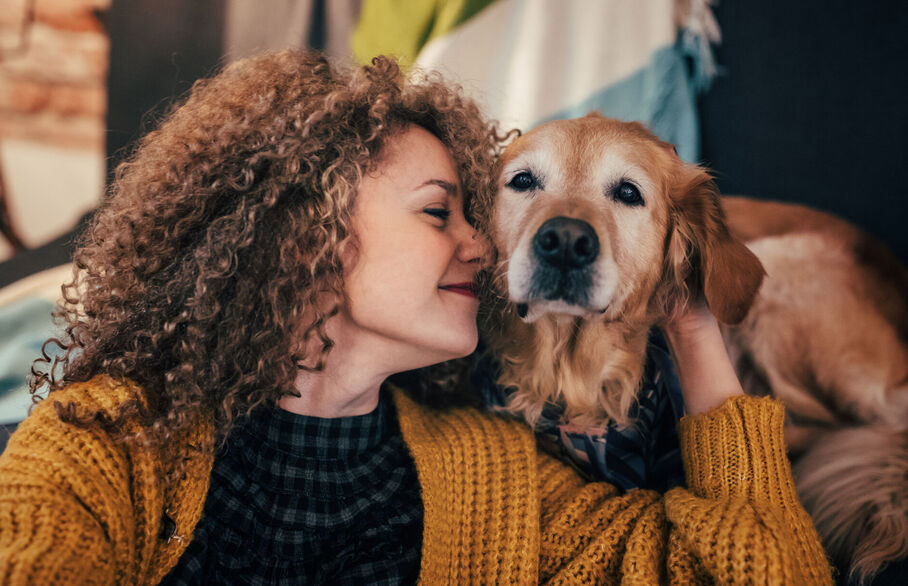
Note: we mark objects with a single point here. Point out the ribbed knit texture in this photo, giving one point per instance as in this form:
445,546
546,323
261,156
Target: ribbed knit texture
480,501
78,508
75,507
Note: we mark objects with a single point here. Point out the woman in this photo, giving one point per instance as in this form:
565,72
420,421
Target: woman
287,239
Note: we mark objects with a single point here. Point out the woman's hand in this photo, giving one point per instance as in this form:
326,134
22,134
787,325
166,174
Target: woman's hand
704,370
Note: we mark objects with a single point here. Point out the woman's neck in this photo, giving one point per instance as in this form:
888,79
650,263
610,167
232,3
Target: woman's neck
347,386
328,395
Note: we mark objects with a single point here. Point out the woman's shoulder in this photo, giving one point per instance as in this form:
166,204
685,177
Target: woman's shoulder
49,449
111,409
49,426
100,394
87,426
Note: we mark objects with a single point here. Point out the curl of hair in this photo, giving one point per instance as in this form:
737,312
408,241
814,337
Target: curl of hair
215,259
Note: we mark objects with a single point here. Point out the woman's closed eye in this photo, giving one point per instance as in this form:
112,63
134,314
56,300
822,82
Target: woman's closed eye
441,213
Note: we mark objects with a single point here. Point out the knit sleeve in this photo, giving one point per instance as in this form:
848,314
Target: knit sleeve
63,492
740,515
739,519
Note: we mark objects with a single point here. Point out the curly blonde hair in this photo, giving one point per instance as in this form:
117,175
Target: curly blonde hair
198,276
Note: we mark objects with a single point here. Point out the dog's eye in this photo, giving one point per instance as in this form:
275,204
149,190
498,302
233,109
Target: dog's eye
627,193
523,181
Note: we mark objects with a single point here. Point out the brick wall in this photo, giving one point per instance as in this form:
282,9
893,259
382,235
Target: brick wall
53,96
53,71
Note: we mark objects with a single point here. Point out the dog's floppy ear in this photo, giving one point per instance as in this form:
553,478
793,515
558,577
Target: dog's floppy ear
702,256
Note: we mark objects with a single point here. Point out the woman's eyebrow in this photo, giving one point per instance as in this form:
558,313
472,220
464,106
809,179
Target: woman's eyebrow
446,185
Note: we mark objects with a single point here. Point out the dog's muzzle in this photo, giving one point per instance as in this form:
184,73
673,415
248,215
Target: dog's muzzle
565,248
566,243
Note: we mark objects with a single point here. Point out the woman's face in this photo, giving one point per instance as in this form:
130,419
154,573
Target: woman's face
411,286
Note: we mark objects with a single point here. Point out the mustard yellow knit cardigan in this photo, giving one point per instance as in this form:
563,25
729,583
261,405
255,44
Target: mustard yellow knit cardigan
77,507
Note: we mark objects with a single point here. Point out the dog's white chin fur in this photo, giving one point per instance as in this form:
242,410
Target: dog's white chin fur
557,309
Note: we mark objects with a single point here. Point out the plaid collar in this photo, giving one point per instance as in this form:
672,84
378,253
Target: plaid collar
304,436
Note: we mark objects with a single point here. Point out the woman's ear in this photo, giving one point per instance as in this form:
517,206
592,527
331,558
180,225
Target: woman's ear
702,256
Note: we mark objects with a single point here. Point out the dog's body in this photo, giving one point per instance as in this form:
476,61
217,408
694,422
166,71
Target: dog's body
603,233
828,335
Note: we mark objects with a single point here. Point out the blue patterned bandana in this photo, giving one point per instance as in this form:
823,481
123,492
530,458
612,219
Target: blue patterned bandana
645,454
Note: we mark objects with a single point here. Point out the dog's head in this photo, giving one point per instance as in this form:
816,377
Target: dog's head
600,219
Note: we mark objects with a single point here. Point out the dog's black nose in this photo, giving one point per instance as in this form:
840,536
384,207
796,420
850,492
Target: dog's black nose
566,242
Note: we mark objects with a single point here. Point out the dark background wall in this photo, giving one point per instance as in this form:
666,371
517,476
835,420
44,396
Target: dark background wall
158,48
813,108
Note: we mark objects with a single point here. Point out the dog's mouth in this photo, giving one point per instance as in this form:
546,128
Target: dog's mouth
558,292
530,311
572,286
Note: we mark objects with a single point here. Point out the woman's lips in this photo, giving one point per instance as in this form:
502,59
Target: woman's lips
466,289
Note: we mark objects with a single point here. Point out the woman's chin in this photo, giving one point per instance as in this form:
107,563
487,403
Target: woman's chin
456,349
467,346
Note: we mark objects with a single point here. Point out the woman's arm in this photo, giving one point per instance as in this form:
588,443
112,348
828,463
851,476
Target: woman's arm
704,370
738,521
54,527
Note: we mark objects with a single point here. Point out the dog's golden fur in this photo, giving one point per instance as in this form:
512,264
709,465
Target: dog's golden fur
827,334
829,330
591,362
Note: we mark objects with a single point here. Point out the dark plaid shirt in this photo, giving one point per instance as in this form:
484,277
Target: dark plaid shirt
305,500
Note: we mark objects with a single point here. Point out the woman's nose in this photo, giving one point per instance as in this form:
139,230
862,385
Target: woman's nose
475,247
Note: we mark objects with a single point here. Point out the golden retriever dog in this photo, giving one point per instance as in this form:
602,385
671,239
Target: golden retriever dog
603,232
828,335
